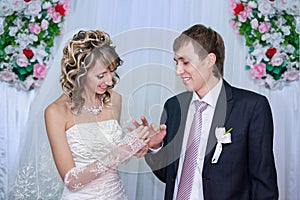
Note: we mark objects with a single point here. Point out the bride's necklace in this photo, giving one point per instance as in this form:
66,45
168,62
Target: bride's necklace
94,109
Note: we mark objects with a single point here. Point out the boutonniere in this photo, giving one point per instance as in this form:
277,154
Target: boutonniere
223,137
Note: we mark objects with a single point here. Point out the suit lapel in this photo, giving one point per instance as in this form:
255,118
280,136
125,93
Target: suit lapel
184,103
222,111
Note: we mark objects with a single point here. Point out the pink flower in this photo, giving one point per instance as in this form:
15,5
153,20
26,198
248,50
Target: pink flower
291,74
56,17
232,23
39,71
44,24
50,10
7,76
34,28
232,5
243,16
67,5
264,27
258,70
248,9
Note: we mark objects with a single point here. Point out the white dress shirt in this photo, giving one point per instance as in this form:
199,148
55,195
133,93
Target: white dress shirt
207,116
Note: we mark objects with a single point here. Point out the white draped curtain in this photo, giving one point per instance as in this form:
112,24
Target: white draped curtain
143,32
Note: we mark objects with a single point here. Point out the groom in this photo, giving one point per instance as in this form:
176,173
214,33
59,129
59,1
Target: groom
222,150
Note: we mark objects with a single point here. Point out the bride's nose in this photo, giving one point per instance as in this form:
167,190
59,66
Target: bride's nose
108,79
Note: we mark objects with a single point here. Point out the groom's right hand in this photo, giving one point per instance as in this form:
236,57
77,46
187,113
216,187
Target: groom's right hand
156,135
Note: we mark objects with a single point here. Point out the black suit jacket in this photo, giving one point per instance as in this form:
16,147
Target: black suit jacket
245,169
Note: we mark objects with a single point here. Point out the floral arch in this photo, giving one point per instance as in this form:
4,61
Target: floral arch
271,29
27,32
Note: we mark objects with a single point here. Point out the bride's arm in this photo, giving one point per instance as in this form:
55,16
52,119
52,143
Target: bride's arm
56,121
77,177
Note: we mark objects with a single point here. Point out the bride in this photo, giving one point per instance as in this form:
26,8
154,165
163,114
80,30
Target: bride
82,125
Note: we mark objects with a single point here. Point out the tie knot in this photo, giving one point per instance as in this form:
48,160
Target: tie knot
200,106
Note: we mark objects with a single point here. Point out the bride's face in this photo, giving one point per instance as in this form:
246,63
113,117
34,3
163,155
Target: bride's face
98,79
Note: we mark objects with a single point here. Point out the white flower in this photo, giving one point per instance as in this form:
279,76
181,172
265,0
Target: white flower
22,61
7,76
277,59
289,48
13,30
9,49
286,30
39,54
1,25
19,23
34,8
28,83
46,5
5,8
270,82
18,4
252,4
265,8
223,137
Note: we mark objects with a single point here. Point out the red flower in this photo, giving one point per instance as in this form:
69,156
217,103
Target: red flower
28,53
270,52
60,9
27,1
239,8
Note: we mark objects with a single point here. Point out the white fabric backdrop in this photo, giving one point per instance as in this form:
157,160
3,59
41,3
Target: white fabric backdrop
143,32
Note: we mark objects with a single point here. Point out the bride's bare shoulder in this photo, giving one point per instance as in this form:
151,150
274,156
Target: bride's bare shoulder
116,98
60,107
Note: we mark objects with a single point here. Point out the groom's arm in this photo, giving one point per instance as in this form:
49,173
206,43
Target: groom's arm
262,169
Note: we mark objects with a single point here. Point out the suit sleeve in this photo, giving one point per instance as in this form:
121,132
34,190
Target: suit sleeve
262,170
157,161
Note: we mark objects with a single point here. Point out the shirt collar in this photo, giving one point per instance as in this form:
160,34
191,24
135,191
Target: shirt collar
212,96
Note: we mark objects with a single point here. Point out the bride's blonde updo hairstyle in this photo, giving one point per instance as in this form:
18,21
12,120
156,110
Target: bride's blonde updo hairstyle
83,51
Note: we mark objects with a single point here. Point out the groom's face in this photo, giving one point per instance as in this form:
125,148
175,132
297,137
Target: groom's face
194,71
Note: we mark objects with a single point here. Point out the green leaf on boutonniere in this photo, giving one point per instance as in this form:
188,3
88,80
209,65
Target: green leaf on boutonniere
228,131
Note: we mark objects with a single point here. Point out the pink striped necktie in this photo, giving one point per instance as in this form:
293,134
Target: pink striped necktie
191,154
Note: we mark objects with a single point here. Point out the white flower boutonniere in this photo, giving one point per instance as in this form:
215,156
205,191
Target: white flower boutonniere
223,137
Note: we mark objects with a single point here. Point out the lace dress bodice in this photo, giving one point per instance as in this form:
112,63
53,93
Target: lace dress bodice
104,145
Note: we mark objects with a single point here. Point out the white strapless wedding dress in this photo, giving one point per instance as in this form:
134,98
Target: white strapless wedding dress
88,142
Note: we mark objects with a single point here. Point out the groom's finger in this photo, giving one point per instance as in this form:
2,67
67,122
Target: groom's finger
154,127
144,121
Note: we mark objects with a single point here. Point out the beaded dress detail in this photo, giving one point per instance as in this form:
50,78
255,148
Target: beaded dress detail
98,148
